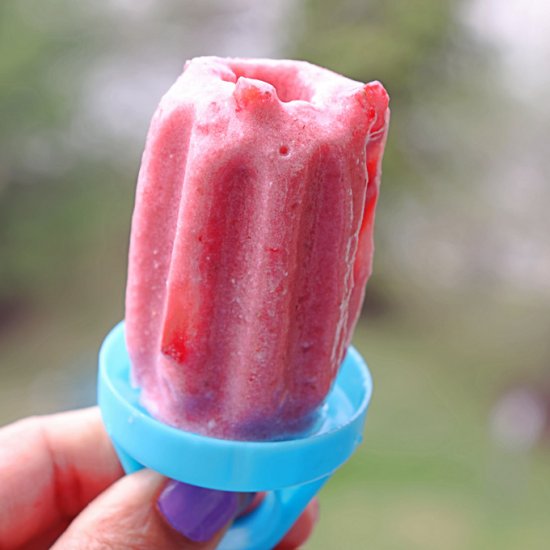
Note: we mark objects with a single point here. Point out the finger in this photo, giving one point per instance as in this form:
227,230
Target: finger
142,511
51,468
302,529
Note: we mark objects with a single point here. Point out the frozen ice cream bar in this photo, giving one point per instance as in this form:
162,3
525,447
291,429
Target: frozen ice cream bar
251,244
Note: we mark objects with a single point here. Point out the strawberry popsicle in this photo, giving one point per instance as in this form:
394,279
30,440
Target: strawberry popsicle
251,243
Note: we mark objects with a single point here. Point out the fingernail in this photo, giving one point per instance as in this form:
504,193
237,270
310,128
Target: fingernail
195,512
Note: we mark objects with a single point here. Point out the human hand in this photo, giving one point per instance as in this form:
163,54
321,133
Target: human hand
61,484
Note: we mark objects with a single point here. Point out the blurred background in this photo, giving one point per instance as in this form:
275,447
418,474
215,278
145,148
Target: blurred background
456,322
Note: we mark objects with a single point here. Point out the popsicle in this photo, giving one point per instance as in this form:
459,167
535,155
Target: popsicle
251,243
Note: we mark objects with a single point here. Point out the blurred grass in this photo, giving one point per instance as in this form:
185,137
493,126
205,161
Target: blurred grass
429,475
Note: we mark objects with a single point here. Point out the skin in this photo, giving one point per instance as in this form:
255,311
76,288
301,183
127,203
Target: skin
61,484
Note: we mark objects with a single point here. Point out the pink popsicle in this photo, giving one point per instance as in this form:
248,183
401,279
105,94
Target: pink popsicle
252,242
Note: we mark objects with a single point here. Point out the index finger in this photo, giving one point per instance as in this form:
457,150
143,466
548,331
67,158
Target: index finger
51,467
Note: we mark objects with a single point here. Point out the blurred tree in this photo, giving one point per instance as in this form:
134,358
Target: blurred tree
48,203
39,42
395,41
405,44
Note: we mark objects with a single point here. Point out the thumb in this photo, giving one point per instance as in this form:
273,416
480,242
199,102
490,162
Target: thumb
143,511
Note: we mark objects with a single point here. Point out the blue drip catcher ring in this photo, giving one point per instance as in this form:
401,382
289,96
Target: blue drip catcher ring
291,471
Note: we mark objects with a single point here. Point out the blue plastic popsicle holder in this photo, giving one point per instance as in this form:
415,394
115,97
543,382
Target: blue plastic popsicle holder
290,471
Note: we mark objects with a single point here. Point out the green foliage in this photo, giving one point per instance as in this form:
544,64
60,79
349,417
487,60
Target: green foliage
46,49
49,233
53,204
393,41
408,46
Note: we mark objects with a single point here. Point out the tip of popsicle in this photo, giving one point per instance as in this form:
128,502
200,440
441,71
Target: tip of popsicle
374,100
251,93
